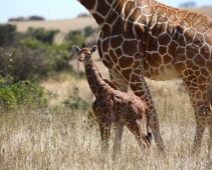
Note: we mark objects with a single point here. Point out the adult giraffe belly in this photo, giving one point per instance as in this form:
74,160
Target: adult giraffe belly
159,67
162,73
129,65
133,64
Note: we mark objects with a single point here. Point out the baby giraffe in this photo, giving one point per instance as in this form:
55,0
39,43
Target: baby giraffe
112,105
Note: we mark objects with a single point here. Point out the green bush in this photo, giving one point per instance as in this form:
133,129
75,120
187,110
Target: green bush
89,32
21,93
7,34
45,36
23,63
34,58
56,55
75,101
73,34
35,54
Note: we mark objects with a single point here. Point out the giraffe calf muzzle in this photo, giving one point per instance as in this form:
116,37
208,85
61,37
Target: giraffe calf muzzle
80,59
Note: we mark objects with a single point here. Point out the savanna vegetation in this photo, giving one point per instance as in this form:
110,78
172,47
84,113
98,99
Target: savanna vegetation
46,121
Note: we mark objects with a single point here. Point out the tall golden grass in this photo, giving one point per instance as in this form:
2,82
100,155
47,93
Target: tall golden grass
61,138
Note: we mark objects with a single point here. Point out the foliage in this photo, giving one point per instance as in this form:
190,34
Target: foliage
73,34
40,34
33,54
34,58
55,57
88,32
21,93
7,34
15,93
75,101
22,63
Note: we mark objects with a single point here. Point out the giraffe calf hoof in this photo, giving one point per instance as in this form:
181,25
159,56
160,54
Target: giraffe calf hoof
149,136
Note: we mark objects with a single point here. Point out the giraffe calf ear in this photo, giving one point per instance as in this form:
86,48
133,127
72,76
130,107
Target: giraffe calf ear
76,48
93,48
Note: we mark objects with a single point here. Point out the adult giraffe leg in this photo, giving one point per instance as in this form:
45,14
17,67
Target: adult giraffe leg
143,92
201,123
197,90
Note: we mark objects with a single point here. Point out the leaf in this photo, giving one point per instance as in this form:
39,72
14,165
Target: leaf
9,54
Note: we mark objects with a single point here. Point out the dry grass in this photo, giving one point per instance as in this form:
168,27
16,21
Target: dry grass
63,139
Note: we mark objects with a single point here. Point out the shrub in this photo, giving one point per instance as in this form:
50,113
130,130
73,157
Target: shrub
89,32
23,63
7,34
21,93
35,55
57,55
75,101
34,58
45,36
73,34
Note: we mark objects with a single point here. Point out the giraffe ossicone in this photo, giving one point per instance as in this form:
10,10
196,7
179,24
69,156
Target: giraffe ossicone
114,106
145,38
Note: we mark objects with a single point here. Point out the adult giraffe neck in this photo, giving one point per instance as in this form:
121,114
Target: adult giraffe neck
101,9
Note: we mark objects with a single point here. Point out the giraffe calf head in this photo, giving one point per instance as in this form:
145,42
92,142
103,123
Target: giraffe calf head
84,53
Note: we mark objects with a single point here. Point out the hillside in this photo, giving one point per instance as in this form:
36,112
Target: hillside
207,10
63,25
79,23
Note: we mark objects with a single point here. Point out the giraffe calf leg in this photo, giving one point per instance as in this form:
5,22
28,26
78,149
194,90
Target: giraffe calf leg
136,128
105,135
118,136
104,125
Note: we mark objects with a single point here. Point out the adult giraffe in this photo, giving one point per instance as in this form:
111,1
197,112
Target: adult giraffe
144,38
